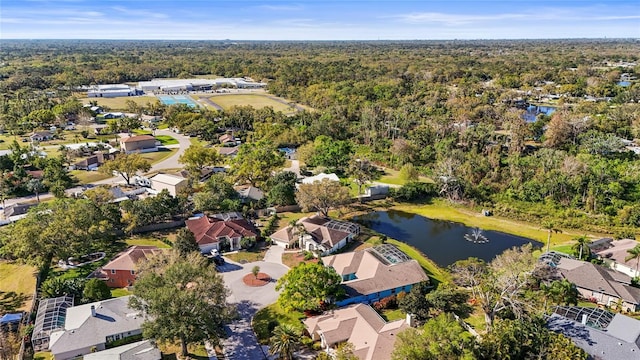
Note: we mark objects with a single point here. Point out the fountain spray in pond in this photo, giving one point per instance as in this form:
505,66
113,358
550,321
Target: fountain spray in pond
476,237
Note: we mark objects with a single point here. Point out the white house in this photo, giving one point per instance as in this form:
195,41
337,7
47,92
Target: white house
615,254
317,234
320,177
93,326
172,183
140,350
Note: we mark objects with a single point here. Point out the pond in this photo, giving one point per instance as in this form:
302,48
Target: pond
442,241
624,83
532,112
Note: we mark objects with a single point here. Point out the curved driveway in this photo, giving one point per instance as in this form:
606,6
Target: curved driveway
241,342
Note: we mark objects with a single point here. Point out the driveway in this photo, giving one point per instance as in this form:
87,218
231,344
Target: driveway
241,342
294,168
172,161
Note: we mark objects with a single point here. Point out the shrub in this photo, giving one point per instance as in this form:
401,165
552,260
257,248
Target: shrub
308,255
414,191
247,243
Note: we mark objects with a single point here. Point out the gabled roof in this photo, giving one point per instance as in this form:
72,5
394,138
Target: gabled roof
133,139
374,274
320,177
618,252
211,230
128,259
372,337
17,209
324,231
82,330
599,279
250,192
226,138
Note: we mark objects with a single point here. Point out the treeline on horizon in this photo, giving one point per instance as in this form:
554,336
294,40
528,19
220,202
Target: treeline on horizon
450,109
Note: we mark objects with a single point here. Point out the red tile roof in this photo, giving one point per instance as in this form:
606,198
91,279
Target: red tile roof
210,230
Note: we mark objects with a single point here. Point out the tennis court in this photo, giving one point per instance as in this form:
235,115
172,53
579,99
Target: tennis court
177,99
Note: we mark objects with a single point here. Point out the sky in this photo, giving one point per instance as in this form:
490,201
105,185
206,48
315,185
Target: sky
318,20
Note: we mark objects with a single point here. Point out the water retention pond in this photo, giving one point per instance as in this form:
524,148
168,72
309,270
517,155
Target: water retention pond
444,242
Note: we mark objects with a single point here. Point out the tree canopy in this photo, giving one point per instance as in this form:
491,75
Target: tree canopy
183,299
126,165
309,286
322,196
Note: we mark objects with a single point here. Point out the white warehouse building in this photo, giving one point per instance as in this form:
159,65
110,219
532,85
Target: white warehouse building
198,84
112,90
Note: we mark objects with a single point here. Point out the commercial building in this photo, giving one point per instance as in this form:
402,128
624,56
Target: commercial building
112,90
175,85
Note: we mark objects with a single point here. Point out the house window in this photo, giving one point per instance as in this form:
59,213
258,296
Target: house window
133,272
113,271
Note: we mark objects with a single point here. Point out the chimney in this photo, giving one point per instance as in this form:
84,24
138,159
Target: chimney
584,319
93,311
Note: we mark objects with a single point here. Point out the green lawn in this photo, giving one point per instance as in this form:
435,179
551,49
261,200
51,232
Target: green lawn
271,316
435,273
393,314
246,256
285,218
256,101
393,177
158,156
170,351
140,240
166,140
197,141
43,355
86,177
18,278
119,292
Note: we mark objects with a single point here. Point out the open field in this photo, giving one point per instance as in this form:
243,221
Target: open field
86,177
393,177
20,279
119,103
245,256
256,101
158,156
166,140
119,292
141,240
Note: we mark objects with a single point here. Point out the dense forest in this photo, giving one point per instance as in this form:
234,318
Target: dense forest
450,110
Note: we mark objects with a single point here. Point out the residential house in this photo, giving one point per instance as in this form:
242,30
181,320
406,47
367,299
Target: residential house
204,173
113,115
94,161
249,193
172,183
615,257
101,130
320,177
227,140
94,326
375,273
318,234
121,271
371,336
41,136
140,350
213,233
601,285
601,334
140,143
230,151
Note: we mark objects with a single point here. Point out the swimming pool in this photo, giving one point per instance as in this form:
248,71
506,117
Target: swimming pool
177,99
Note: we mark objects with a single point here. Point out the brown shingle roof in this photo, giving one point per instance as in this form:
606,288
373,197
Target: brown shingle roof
209,230
132,139
128,259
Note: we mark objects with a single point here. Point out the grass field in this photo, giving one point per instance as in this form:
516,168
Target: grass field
252,255
139,240
392,177
86,177
119,292
119,103
256,101
20,279
166,140
158,156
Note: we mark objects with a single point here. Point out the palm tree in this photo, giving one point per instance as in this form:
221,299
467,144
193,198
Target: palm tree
285,341
35,186
581,242
550,227
634,254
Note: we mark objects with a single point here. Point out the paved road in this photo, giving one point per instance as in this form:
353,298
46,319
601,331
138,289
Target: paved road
168,163
242,342
294,168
